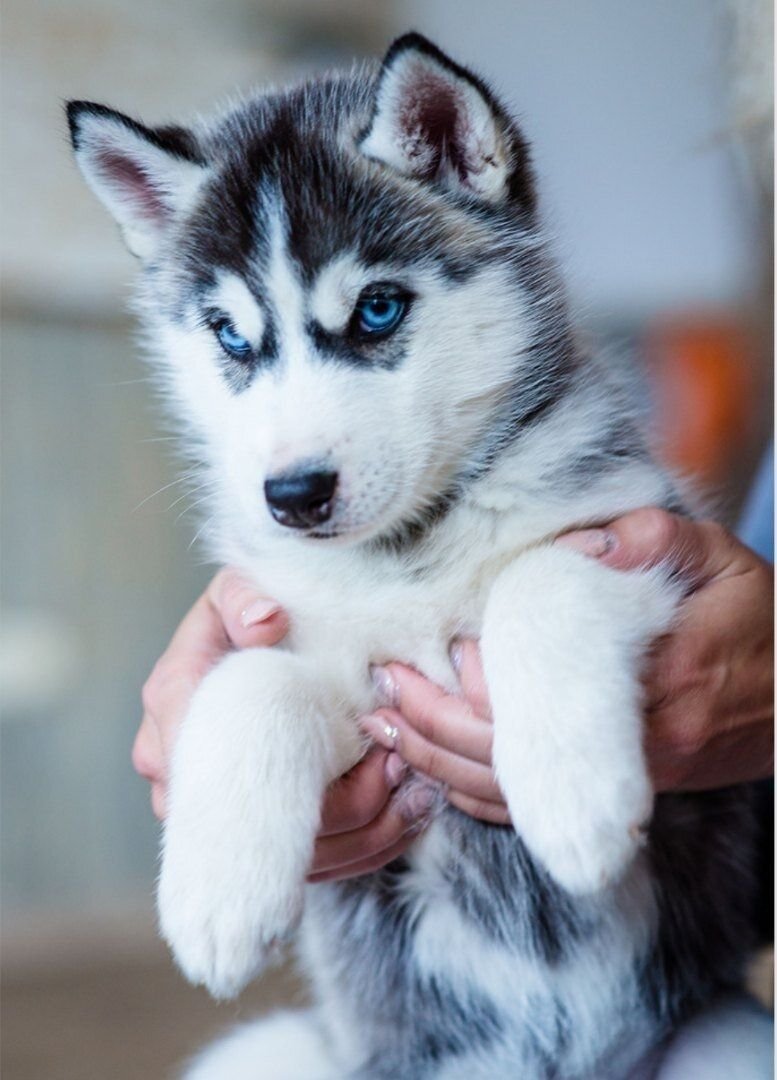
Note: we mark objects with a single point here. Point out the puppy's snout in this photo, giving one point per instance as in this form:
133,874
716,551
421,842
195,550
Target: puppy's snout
302,499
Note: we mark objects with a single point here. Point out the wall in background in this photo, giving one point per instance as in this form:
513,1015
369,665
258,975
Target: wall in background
96,572
628,108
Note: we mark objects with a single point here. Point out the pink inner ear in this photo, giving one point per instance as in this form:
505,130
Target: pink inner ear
134,183
432,119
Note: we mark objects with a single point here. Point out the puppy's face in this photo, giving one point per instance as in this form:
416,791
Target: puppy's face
325,281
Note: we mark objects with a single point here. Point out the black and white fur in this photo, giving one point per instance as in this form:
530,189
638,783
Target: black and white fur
573,946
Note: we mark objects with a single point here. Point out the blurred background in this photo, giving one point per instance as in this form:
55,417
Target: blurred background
651,125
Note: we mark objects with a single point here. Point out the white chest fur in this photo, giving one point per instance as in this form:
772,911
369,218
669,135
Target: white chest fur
561,638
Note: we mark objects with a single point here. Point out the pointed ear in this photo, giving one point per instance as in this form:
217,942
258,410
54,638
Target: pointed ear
436,121
144,176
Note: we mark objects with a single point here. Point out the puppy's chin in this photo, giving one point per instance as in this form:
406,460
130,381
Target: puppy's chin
343,533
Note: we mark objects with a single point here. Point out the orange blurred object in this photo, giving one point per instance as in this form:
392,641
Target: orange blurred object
702,369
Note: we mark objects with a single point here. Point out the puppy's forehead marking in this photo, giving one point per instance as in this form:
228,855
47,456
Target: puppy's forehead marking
231,295
285,291
336,290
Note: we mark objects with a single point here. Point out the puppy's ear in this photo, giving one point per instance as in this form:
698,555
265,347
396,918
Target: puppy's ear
144,176
436,121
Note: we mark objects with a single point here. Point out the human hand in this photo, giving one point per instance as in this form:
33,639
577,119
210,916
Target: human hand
229,615
361,827
708,684
446,737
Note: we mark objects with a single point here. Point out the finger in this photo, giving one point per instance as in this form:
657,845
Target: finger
441,718
166,696
366,866
495,813
159,801
660,673
694,661
248,618
201,632
209,630
357,798
391,730
649,537
342,849
465,656
147,755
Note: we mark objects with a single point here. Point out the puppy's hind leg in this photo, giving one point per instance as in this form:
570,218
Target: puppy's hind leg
731,1040
284,1046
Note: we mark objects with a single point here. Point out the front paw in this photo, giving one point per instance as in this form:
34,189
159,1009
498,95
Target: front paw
225,909
584,826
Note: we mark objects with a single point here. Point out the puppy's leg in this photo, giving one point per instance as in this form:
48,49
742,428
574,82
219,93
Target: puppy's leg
286,1046
731,1040
253,757
563,640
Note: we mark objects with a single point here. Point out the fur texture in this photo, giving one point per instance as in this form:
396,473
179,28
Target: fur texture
461,440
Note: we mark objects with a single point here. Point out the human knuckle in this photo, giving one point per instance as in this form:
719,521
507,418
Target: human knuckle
688,739
141,760
479,808
659,529
431,761
680,668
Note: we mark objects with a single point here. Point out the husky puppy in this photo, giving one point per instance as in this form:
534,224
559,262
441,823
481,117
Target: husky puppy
358,321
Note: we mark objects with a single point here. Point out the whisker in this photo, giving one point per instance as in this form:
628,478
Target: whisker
206,524
194,491
165,487
192,506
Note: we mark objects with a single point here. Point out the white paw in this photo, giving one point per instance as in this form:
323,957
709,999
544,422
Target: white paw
243,808
226,907
587,827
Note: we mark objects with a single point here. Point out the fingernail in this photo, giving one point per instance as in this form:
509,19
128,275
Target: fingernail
385,686
383,733
395,770
591,542
259,611
456,652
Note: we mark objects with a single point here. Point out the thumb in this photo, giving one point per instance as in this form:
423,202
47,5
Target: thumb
248,618
697,550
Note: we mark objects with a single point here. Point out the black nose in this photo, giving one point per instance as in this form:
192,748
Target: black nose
301,500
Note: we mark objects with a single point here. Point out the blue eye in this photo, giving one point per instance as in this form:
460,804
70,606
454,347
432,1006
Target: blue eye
232,342
378,315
